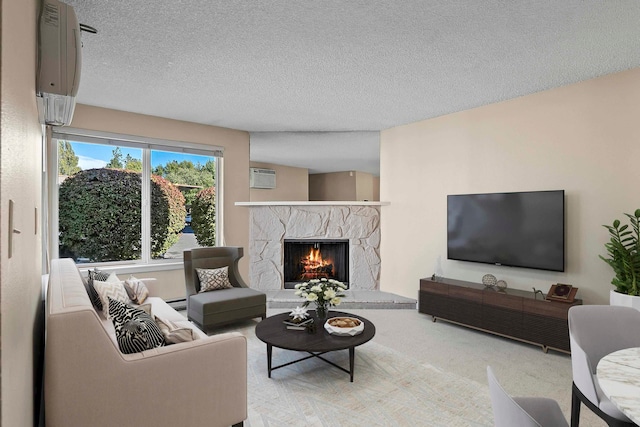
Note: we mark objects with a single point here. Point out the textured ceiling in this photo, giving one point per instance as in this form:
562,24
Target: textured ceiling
357,65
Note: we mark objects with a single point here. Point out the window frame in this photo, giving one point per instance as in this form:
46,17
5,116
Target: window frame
147,145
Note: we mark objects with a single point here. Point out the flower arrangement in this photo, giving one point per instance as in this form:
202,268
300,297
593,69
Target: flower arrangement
324,293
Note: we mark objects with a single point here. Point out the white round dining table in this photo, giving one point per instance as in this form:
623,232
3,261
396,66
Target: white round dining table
619,378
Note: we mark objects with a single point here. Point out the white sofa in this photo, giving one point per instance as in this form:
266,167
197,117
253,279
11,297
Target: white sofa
89,382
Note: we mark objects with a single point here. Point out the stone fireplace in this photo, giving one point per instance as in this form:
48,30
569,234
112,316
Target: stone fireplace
272,224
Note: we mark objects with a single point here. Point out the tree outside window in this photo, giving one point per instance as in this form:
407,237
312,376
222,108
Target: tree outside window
100,210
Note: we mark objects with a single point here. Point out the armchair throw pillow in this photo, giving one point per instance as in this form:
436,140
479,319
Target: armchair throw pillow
136,330
213,279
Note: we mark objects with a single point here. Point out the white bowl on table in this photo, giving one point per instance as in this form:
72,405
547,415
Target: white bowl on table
344,331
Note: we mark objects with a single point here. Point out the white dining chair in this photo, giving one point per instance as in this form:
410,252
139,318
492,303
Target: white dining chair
594,332
522,411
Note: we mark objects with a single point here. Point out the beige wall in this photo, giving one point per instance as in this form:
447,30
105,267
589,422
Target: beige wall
20,181
344,186
364,187
332,186
581,138
235,169
376,188
292,184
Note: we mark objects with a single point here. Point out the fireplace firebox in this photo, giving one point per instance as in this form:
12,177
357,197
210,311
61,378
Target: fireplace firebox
305,260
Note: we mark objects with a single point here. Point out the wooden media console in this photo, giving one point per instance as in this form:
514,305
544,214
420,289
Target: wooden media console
510,313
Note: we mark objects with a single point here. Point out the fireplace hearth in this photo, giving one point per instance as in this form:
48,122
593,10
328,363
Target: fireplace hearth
305,260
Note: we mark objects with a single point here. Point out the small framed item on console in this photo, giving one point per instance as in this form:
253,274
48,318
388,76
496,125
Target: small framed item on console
564,293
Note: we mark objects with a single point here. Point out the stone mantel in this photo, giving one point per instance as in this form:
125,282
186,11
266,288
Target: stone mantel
273,222
322,203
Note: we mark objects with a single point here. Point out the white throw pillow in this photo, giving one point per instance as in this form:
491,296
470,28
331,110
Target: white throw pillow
136,289
174,334
110,289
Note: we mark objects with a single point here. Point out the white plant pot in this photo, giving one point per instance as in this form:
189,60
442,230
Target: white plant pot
616,298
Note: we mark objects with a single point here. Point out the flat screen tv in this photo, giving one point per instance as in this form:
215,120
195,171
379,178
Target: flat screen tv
523,229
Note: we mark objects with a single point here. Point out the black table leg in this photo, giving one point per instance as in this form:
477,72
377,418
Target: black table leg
352,354
269,352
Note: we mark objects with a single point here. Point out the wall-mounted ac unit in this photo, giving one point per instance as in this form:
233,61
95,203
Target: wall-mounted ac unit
59,61
262,178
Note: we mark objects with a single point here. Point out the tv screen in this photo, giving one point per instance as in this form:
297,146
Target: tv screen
513,229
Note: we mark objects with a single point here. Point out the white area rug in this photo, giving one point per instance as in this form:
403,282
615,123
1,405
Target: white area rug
389,389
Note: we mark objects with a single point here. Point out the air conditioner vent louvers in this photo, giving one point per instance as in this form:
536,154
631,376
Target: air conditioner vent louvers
262,178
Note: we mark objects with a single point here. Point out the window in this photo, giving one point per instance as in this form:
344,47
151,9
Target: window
125,199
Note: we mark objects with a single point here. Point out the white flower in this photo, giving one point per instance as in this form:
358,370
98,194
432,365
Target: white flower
335,301
329,294
298,292
298,285
316,288
312,297
314,281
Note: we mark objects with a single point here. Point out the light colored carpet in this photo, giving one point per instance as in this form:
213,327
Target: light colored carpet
413,373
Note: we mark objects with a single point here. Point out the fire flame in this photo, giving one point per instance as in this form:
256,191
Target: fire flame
315,267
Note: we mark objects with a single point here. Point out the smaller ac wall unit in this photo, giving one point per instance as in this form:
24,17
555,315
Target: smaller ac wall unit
262,178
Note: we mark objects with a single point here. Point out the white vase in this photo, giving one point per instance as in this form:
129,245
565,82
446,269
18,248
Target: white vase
616,298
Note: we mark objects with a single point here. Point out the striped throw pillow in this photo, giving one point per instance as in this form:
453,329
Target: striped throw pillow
136,330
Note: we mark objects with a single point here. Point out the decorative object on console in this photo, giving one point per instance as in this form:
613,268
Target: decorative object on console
536,292
489,280
623,250
324,293
501,285
561,292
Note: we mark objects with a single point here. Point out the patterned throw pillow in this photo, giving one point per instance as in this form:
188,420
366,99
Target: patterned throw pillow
214,279
136,330
92,275
136,290
173,333
110,290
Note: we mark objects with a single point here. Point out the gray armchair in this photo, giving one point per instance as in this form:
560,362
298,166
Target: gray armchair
522,411
221,306
594,332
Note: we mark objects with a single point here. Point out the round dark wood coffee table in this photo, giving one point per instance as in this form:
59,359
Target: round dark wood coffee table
274,333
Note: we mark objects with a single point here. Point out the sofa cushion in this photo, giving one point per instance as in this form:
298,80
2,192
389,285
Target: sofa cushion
226,300
136,330
110,290
92,275
213,279
136,289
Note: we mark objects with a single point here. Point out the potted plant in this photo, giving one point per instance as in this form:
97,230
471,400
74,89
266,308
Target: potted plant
623,251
